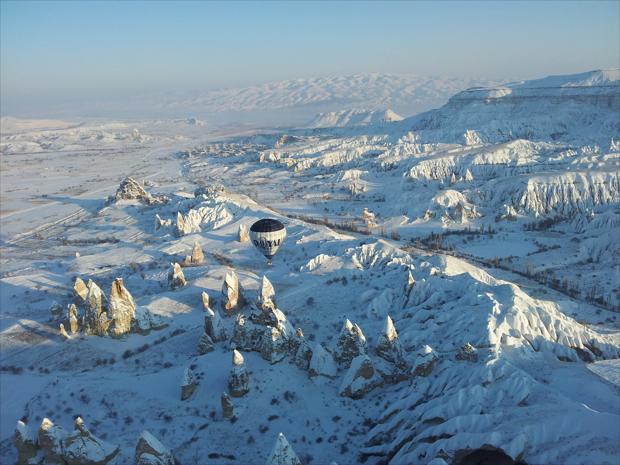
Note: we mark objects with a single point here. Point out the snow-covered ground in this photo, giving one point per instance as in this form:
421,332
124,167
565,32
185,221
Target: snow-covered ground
488,238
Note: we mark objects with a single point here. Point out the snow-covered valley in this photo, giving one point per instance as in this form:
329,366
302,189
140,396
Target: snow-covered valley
448,291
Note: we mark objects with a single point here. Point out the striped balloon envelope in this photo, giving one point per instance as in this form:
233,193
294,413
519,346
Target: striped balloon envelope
267,236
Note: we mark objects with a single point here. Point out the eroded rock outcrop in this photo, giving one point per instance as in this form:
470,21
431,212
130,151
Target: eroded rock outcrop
51,441
388,346
188,384
322,363
196,258
84,448
176,278
205,344
122,309
303,353
96,319
243,234
425,361
214,325
72,318
467,353
282,453
239,380
265,298
80,291
360,378
228,409
232,295
26,444
351,343
150,451
56,311
130,189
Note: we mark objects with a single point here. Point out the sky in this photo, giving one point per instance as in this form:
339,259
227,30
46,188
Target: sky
54,50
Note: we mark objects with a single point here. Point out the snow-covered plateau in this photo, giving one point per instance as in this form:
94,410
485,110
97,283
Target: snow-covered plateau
447,293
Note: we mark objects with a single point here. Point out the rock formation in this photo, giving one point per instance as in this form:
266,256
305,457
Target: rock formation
130,189
196,258
53,446
244,233
214,325
188,384
265,299
80,291
51,441
467,353
425,361
205,344
205,300
150,451
161,223
360,378
274,345
176,278
95,312
122,309
322,363
56,311
25,443
81,447
63,332
388,346
351,343
238,383
303,354
228,409
232,297
72,318
282,453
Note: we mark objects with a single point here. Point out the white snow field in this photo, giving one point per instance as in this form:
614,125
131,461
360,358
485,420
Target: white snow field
448,291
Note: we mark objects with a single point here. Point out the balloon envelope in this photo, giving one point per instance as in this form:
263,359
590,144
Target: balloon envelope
267,236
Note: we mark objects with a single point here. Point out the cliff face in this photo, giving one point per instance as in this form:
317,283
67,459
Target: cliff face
577,108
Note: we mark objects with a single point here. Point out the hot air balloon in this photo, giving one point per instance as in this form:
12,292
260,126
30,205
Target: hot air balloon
267,236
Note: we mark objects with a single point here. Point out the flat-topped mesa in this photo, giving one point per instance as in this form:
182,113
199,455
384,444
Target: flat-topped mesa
232,294
351,343
196,258
150,451
122,310
244,233
82,447
265,298
228,409
388,346
188,384
239,380
282,453
96,319
176,278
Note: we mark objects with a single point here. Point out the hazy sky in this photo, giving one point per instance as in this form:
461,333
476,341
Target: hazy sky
55,49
